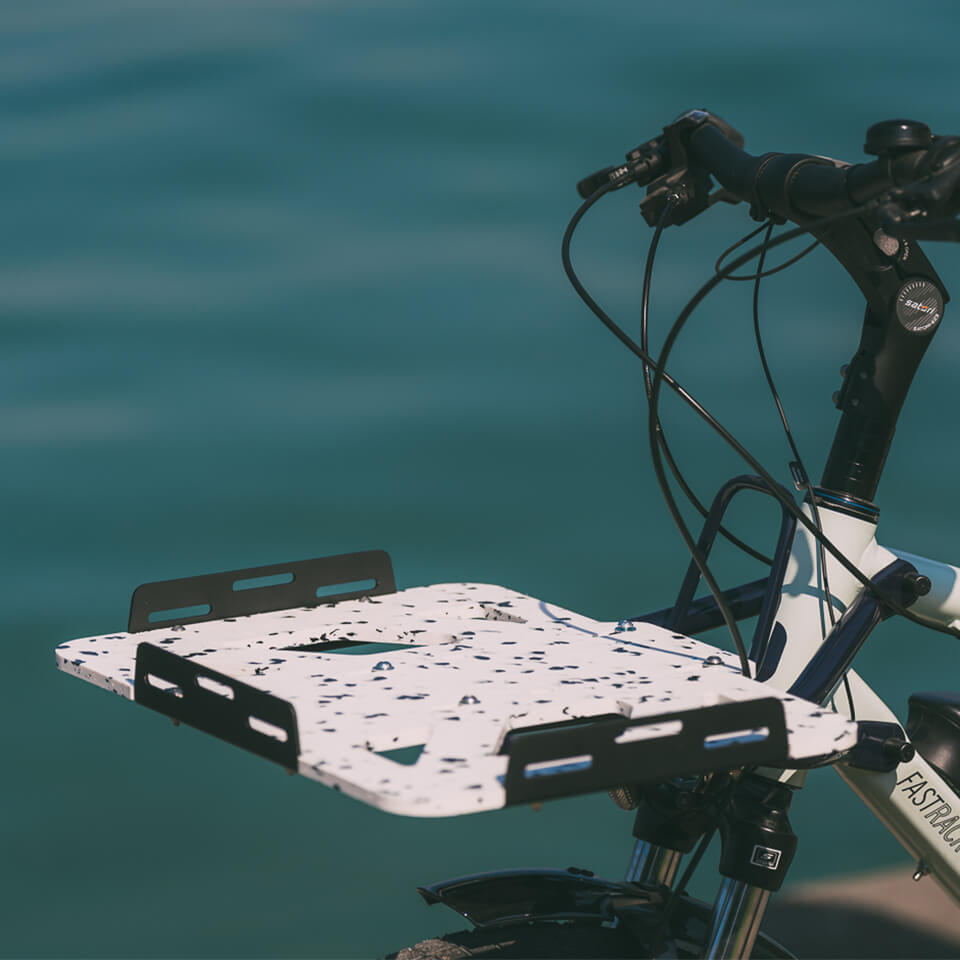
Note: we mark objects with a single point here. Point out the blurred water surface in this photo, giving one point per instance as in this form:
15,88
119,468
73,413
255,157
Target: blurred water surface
281,279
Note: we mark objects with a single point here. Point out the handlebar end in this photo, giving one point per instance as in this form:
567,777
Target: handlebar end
594,182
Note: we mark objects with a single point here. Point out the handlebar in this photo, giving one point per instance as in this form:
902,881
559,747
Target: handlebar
793,186
915,180
867,215
920,174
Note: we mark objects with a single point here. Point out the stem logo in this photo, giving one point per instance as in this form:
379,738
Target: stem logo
919,306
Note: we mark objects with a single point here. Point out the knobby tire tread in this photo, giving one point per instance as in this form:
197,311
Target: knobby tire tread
541,941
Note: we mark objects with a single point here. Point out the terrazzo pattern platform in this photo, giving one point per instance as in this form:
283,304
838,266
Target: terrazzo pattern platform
467,663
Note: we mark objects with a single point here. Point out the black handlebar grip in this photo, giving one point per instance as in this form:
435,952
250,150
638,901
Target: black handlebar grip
734,168
795,186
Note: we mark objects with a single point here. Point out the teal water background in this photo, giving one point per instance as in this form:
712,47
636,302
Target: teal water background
281,279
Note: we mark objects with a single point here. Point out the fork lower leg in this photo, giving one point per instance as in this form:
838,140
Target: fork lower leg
651,864
737,914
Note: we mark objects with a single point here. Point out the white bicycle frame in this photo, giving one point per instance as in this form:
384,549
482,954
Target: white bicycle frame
914,802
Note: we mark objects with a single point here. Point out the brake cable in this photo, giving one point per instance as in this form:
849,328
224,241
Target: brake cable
678,891
662,222
756,277
803,473
718,266
660,377
760,274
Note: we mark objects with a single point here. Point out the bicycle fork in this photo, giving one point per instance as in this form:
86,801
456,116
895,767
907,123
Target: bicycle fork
758,845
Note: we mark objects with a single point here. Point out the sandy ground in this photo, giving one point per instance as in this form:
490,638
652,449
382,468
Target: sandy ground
880,915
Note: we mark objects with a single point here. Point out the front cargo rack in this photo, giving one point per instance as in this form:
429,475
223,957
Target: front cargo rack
445,699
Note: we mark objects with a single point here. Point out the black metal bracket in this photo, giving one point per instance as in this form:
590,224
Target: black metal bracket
683,607
237,593
704,613
582,756
217,704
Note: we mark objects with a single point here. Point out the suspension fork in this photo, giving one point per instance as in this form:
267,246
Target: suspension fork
653,865
671,817
758,846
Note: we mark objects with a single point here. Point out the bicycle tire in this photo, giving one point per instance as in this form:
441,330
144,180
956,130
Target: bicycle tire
535,941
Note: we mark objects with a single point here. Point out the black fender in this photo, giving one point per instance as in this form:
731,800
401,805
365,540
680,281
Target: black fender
506,897
518,896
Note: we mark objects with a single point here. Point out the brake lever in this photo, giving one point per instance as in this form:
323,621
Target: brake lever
663,167
915,224
723,195
926,209
685,184
947,229
687,200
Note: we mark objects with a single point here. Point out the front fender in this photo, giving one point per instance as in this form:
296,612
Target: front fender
519,896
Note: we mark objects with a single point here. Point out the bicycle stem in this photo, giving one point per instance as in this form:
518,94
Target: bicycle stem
801,188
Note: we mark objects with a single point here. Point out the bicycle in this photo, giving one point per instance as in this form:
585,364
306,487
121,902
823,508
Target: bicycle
455,698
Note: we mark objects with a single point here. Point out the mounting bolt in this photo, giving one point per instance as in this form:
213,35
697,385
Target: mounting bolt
893,748
679,195
918,584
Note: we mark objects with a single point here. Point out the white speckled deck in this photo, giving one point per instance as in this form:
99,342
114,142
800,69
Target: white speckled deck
475,661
